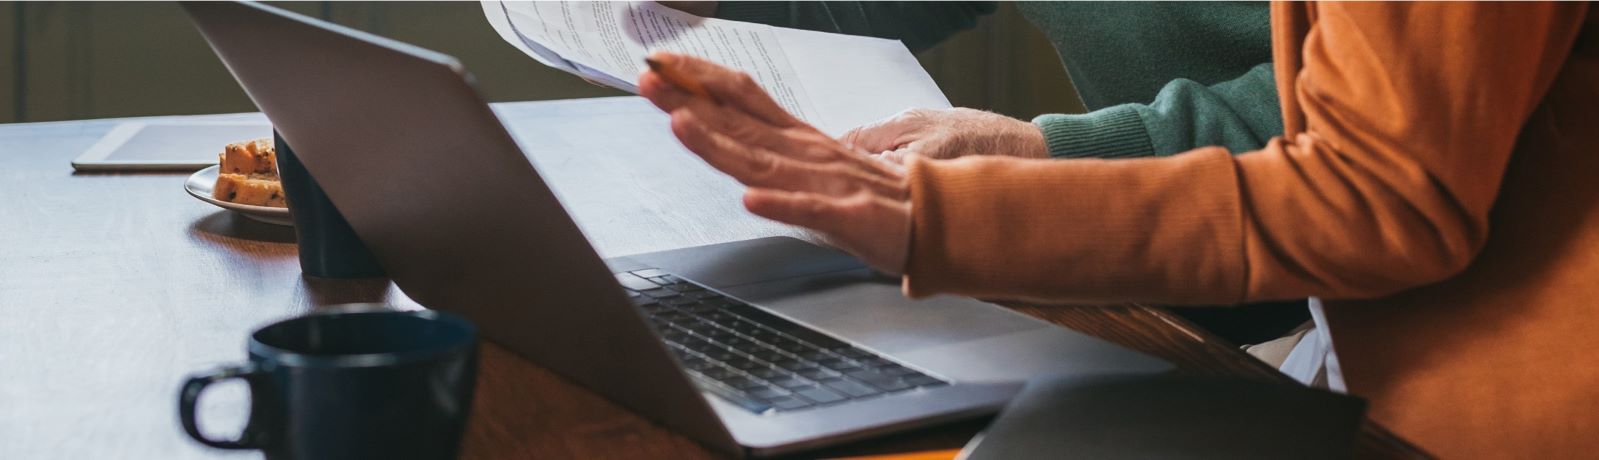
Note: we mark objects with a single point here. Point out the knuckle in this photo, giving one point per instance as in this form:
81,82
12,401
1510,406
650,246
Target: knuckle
739,129
745,81
684,127
806,143
856,205
816,208
681,119
841,179
765,169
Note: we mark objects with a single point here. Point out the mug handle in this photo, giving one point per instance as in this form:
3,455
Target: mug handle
248,439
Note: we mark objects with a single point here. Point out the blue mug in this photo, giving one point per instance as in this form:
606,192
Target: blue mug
353,384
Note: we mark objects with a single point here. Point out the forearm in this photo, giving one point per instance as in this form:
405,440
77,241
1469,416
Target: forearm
1387,187
919,24
1203,227
1239,114
1070,231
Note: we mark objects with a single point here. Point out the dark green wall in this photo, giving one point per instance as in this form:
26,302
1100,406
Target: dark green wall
62,61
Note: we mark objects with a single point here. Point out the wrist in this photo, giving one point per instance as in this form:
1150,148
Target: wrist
1106,133
1034,145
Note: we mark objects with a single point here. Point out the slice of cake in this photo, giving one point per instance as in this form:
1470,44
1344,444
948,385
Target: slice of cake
249,174
242,189
256,158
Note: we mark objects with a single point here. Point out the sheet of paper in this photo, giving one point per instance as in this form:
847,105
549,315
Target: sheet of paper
833,81
607,42
498,14
857,80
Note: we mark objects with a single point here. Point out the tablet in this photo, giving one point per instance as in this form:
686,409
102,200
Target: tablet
166,145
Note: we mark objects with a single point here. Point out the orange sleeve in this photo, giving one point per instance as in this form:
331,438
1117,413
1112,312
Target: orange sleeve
1410,112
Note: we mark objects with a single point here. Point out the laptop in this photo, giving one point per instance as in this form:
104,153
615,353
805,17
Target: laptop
758,347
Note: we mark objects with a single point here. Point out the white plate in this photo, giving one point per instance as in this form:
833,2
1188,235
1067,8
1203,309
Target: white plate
202,182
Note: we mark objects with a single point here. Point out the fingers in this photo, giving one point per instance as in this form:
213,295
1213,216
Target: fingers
715,117
795,139
874,228
883,180
730,87
756,167
798,143
748,166
887,134
795,208
665,96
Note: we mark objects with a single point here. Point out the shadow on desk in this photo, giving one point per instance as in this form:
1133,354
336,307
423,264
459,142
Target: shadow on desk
222,229
324,293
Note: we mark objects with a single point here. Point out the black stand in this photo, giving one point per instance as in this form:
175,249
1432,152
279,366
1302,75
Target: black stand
329,248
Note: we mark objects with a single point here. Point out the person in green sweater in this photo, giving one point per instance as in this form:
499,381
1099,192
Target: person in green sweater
1158,78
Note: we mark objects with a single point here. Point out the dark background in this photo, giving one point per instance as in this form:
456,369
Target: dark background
64,61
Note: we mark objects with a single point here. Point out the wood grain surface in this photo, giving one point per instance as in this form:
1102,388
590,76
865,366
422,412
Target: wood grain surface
114,287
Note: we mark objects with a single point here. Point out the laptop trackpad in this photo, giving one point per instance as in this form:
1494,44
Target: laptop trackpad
867,308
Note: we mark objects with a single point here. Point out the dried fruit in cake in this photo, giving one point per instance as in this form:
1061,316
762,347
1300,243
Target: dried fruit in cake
256,158
249,174
242,189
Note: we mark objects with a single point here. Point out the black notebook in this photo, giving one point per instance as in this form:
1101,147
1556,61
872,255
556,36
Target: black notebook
1165,417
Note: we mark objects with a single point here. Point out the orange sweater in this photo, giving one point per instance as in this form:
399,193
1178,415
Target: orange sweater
1404,123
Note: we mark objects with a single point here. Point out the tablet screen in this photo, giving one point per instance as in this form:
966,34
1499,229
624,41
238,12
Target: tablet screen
168,144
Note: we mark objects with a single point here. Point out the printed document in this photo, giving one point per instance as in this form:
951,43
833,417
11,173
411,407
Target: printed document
835,82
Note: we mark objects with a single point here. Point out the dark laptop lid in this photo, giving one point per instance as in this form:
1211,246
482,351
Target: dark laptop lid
450,206
1171,417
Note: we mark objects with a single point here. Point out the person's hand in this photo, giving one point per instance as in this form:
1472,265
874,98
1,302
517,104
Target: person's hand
949,133
795,173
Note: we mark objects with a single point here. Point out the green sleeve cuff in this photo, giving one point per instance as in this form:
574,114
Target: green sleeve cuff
777,13
1112,132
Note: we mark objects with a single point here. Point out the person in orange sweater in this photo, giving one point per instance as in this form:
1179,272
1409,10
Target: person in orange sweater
1434,188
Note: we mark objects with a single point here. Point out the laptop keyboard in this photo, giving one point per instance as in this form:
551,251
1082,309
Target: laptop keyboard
757,360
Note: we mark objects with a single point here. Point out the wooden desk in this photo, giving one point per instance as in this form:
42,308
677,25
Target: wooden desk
113,287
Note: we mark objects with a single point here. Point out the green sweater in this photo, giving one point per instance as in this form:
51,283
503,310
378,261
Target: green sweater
1159,78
